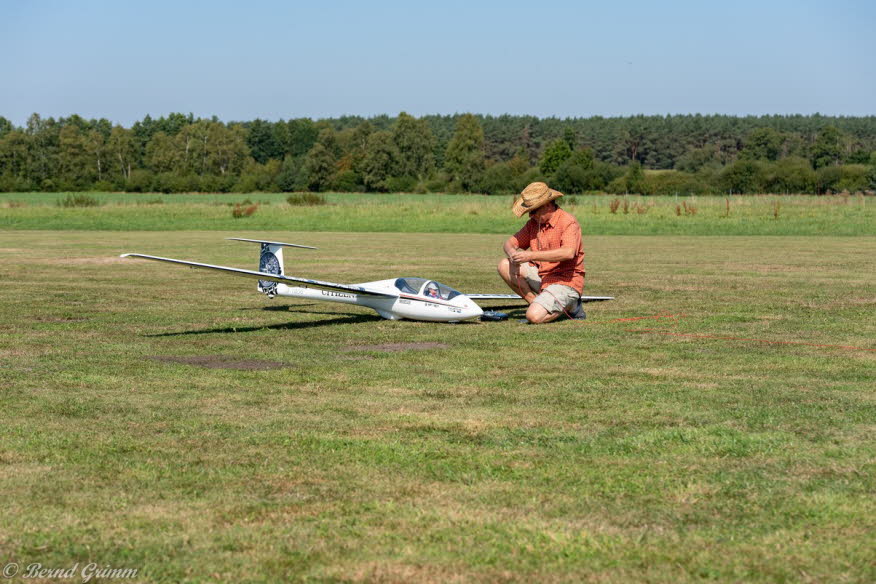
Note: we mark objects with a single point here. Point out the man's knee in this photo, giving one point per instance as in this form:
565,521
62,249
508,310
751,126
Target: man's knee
504,267
536,313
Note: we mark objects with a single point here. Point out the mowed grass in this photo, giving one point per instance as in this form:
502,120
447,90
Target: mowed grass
346,212
733,442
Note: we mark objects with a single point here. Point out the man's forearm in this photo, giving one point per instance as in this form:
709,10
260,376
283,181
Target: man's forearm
553,255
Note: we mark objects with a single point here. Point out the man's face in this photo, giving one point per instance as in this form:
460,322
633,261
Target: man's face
542,212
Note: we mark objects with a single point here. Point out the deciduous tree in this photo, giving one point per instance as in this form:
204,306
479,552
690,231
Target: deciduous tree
464,159
121,150
556,153
319,168
828,147
415,144
381,161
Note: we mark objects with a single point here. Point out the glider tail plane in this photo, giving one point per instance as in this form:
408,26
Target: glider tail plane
270,261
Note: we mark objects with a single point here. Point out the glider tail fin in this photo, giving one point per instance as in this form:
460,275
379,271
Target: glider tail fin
270,261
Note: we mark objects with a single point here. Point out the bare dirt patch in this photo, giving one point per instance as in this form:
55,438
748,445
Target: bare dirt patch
395,347
222,362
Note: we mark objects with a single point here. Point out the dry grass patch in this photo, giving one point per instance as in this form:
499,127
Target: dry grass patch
222,362
396,347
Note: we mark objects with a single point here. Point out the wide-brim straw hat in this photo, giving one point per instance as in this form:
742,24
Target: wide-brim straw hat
534,196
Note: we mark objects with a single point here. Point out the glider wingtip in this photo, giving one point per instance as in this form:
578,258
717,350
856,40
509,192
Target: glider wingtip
271,242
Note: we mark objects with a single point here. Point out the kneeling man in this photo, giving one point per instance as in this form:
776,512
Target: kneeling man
545,262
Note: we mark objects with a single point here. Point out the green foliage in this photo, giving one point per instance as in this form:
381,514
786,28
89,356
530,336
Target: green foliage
401,184
743,176
211,183
437,184
74,154
140,181
570,137
263,141
415,144
381,161
854,178
464,159
554,155
579,173
357,148
828,146
10,183
827,179
306,200
633,181
291,175
5,126
860,156
328,139
80,200
789,175
299,136
696,159
499,179
319,168
258,177
672,182
348,181
530,176
763,144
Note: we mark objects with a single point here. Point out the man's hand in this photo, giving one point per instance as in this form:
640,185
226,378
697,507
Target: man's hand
520,256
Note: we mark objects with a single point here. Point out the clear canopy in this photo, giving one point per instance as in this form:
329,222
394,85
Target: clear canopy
427,288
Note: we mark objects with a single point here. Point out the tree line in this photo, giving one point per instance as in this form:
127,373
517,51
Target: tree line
685,154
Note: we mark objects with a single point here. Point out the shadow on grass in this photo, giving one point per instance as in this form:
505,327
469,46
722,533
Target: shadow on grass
278,307
286,326
505,307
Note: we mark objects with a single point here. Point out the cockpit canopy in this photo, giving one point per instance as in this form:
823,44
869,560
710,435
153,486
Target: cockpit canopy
424,287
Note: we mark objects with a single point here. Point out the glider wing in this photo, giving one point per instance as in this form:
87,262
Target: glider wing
271,242
288,280
516,297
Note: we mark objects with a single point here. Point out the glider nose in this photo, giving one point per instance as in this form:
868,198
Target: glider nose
469,307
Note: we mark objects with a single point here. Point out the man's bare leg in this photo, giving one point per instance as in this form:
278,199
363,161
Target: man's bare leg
538,314
510,272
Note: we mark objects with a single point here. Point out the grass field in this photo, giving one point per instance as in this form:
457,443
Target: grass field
179,423
632,215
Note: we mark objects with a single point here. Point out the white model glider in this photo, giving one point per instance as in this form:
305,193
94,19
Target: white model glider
393,299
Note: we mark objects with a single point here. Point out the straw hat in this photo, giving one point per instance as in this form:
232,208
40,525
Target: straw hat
534,196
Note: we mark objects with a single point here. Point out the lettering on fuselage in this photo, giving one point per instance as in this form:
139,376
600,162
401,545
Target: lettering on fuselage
404,301
337,294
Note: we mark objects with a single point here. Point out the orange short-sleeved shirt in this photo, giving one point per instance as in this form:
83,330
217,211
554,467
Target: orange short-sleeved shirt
562,230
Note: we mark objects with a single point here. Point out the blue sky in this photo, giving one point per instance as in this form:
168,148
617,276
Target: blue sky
272,59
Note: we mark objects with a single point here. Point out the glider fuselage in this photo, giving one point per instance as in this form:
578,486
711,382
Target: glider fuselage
405,305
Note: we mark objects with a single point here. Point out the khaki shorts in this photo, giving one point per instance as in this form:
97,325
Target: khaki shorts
554,298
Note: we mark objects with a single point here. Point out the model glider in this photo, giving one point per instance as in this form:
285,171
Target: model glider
393,299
